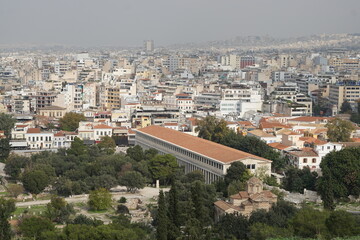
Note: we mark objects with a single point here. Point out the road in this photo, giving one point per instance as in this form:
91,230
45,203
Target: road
144,195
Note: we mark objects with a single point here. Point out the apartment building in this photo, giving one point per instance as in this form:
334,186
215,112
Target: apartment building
345,91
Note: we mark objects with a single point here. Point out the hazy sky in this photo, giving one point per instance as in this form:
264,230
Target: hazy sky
129,22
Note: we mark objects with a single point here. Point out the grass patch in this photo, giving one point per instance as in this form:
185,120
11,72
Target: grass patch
3,194
98,211
34,210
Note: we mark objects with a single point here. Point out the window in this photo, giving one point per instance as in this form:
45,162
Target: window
314,160
305,160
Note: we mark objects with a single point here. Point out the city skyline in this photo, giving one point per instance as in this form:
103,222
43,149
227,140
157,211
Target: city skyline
126,23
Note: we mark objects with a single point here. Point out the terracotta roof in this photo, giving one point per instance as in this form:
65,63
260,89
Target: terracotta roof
225,206
170,124
130,131
193,121
312,140
204,147
266,124
260,133
240,195
309,119
102,126
21,126
33,130
278,145
263,196
63,133
355,139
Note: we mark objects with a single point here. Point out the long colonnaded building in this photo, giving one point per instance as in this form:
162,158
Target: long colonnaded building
194,153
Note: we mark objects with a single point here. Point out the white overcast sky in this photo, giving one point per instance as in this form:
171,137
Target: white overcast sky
129,22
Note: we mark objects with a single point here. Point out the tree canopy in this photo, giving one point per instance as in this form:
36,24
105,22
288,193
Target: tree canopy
6,208
340,175
100,199
339,130
212,128
70,121
345,107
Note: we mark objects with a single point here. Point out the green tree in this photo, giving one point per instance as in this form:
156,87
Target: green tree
237,172
32,227
260,231
58,210
254,146
84,220
340,175
107,145
14,164
132,180
310,223
4,149
100,199
173,213
70,121
163,167
342,224
77,148
15,189
122,209
193,176
6,208
339,130
136,153
7,122
232,226
211,128
345,107
35,181
161,218
235,187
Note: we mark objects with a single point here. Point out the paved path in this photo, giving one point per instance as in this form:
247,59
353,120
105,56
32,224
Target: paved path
144,194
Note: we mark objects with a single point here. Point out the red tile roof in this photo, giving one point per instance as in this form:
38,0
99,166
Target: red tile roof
33,130
204,147
309,119
102,126
278,145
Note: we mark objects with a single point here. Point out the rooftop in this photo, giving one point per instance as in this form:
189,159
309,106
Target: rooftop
204,147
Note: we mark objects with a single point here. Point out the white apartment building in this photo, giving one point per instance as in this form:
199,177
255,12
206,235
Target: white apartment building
239,101
39,140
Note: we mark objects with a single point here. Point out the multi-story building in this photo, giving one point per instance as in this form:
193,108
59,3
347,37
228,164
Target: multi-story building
44,99
345,91
195,153
237,101
246,61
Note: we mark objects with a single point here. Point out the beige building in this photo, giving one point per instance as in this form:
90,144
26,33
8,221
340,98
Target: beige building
348,91
245,202
52,111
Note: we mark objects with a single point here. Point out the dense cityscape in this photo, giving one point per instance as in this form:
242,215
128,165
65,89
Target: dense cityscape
252,137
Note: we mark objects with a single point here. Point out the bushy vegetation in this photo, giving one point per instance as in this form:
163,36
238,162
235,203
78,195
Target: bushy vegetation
82,169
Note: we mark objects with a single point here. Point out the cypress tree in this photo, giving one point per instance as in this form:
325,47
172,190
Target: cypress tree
197,197
6,208
173,206
162,220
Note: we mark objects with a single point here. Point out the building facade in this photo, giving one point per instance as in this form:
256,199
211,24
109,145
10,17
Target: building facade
195,153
